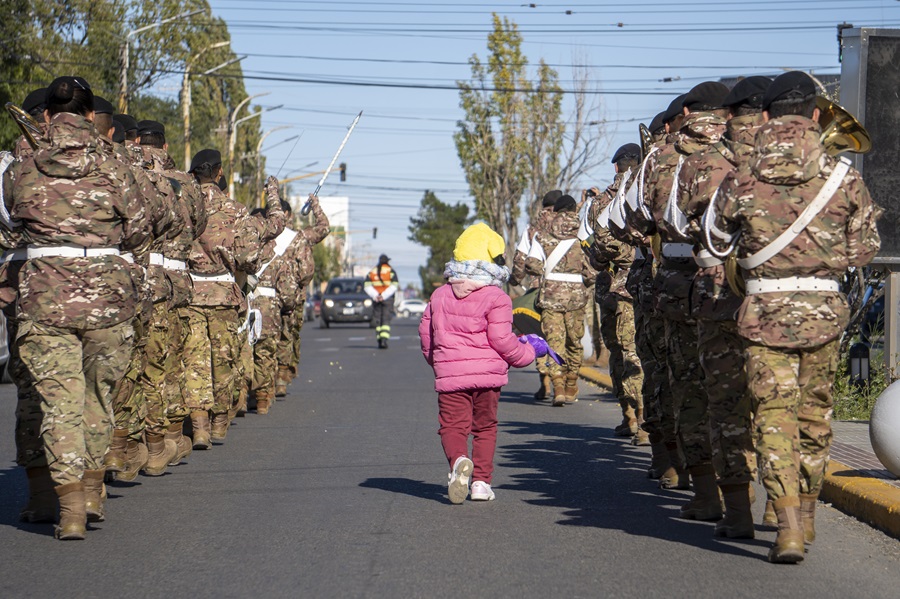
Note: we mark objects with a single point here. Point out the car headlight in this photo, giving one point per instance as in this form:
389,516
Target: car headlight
329,303
367,303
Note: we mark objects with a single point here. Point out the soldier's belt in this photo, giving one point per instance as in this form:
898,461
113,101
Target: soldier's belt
68,251
201,278
15,255
677,250
706,260
157,259
787,284
263,292
169,263
563,277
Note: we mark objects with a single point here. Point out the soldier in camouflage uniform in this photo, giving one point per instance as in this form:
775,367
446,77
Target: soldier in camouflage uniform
300,255
232,242
703,125
566,274
541,222
77,294
714,306
613,259
794,312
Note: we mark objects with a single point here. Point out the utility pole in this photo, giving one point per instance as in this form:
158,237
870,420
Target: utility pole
232,134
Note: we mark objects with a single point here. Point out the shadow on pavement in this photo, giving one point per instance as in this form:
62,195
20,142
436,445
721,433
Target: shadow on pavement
13,496
572,466
407,486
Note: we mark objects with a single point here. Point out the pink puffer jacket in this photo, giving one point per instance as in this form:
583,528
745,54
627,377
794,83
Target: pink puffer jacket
466,335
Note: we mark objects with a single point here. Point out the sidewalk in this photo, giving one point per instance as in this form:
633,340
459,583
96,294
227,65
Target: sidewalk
855,482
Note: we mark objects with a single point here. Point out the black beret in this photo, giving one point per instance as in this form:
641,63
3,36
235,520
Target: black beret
118,135
748,91
657,123
792,85
129,123
565,203
73,82
550,198
211,157
708,93
675,108
35,100
627,151
103,106
150,127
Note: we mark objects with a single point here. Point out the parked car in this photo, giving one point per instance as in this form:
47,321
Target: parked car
345,300
411,307
312,307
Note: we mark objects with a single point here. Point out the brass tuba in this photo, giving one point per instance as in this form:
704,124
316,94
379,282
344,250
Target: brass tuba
30,128
841,132
646,140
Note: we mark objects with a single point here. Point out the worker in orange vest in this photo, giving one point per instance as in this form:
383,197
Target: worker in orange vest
381,285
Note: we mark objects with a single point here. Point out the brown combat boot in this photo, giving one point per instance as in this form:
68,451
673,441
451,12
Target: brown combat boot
282,380
769,517
559,391
788,548
219,427
114,460
93,495
175,433
262,405
705,505
280,389
200,422
629,425
544,389
659,460
42,503
160,451
808,516
136,456
675,476
571,387
738,520
72,513
641,438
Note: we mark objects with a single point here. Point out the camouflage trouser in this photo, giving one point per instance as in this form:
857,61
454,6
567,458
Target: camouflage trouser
617,328
245,371
265,364
211,353
655,335
563,332
153,380
29,447
686,382
129,407
288,351
791,394
730,426
649,394
176,409
75,372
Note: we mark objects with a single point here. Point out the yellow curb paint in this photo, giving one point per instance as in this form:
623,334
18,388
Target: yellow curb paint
863,497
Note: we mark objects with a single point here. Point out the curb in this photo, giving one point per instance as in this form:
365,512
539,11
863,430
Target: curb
863,497
853,492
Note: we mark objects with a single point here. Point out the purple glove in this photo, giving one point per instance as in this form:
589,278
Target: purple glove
540,347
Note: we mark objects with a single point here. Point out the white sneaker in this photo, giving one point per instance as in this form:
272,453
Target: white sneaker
458,489
481,491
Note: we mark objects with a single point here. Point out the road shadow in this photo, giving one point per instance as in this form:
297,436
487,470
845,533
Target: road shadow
13,497
408,486
572,466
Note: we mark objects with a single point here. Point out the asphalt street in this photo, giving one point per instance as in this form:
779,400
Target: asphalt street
341,492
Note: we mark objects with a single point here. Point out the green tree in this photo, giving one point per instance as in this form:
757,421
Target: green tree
328,262
436,226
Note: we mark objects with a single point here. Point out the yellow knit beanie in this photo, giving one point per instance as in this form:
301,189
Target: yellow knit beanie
479,242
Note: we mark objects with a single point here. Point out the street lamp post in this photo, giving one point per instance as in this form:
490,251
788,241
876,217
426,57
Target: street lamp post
232,134
186,100
125,55
259,144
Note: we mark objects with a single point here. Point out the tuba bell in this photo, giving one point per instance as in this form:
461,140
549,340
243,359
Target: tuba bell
30,128
841,132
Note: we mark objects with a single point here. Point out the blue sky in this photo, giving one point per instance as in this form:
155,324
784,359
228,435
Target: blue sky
641,54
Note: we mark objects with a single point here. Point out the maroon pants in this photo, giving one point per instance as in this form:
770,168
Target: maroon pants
473,411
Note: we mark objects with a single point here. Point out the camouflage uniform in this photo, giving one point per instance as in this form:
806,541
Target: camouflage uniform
300,255
793,336
562,302
715,306
673,289
74,313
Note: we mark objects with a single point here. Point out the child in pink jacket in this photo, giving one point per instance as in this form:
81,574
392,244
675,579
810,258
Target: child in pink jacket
466,335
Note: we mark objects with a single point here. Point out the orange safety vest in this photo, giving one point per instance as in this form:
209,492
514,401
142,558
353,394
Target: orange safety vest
381,278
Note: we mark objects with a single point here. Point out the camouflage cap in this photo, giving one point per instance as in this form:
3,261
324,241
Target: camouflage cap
145,127
627,151
706,95
657,123
35,100
550,198
675,108
748,91
103,106
793,85
208,156
129,123
565,203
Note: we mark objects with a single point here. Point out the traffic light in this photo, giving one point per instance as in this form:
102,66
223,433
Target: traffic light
343,171
374,232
